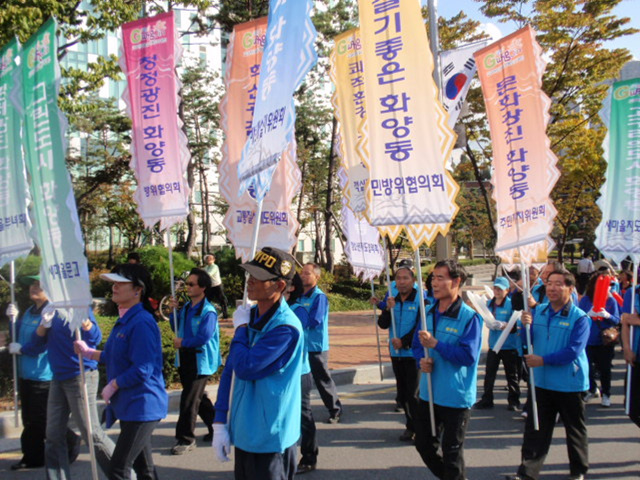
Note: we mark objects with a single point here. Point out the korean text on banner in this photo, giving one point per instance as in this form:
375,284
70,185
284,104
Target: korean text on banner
409,184
159,148
347,74
618,234
525,172
458,69
289,54
362,246
15,225
278,223
64,273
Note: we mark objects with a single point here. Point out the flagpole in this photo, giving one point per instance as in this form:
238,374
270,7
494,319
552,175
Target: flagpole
423,320
532,381
387,260
87,413
173,291
375,324
627,401
12,287
254,247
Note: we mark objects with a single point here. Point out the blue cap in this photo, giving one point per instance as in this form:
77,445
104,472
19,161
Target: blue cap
501,282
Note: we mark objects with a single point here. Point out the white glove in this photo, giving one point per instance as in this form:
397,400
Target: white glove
15,348
48,313
12,310
221,441
241,316
601,314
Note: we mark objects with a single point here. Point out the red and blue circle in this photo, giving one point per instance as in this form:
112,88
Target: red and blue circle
455,85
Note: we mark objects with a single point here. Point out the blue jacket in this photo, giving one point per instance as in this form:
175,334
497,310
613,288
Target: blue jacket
406,315
502,313
626,308
316,333
33,364
597,326
202,335
58,341
133,356
560,338
303,316
266,357
459,334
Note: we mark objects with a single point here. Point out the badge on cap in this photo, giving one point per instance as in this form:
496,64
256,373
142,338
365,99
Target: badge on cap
285,267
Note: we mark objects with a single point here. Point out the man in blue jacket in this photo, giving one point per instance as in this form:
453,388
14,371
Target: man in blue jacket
317,338
198,344
500,306
559,334
406,315
265,359
453,337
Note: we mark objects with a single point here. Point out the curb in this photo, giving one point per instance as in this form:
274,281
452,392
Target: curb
343,376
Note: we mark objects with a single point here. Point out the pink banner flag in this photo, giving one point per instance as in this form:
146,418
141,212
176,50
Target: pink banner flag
159,147
278,224
525,172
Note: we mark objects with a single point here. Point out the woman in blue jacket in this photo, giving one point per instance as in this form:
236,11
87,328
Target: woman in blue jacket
135,393
600,356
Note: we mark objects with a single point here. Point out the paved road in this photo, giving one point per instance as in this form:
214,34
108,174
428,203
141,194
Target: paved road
365,445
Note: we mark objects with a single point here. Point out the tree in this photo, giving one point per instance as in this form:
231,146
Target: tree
572,34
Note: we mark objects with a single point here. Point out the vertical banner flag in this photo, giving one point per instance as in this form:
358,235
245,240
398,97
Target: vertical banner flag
348,99
409,184
618,234
278,223
64,272
15,240
525,172
289,54
458,69
159,151
362,248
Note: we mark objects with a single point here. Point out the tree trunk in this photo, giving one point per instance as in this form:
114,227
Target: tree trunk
485,195
329,204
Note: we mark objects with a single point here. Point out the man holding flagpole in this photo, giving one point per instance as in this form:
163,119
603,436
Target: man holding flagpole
559,334
453,335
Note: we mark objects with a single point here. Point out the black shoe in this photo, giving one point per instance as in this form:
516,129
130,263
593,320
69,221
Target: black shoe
181,448
305,468
334,418
407,436
483,405
23,466
514,408
208,438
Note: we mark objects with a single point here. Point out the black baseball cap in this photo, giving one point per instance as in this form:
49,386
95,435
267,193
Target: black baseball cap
270,264
406,263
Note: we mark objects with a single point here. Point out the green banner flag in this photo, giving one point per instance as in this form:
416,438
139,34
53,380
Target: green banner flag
618,234
15,240
64,273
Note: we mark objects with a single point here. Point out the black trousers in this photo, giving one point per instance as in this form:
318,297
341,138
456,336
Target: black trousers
265,466
193,400
308,439
535,445
133,450
634,400
221,298
600,358
33,402
407,377
510,362
451,428
324,383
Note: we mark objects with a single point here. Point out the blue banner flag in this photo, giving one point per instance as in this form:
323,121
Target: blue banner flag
15,225
288,55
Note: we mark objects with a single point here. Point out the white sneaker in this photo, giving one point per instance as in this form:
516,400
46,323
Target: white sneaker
606,401
524,414
591,395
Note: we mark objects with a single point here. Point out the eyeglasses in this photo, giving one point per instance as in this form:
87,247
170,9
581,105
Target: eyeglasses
190,284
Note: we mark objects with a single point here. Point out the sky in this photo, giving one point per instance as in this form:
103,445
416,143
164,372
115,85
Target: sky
449,8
